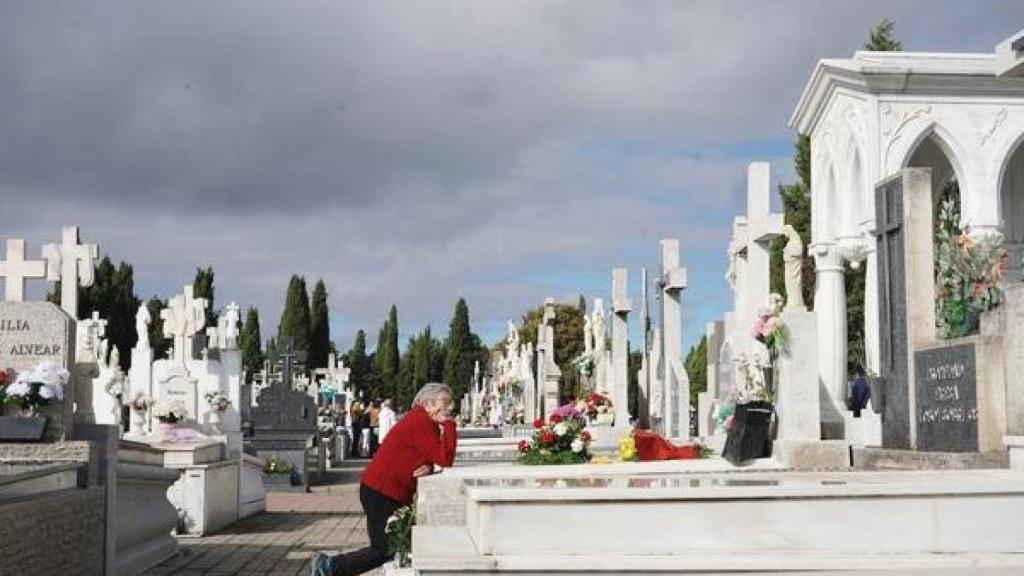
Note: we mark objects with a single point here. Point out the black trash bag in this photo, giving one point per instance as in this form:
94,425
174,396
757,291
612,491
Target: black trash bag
750,434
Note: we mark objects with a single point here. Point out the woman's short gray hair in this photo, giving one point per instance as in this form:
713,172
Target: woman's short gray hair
430,392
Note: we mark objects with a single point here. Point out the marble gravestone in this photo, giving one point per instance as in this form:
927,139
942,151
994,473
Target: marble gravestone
945,388
34,332
284,422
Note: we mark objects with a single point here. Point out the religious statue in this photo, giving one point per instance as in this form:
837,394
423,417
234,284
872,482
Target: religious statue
142,320
730,274
588,335
598,326
792,259
513,337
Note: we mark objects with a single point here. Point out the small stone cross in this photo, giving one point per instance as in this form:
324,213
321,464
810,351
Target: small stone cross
72,264
15,270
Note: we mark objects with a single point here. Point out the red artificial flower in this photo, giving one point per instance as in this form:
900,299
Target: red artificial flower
3,377
585,436
547,437
556,418
538,423
523,446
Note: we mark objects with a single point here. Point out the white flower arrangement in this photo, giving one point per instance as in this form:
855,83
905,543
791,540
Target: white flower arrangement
141,403
751,385
38,386
218,400
169,411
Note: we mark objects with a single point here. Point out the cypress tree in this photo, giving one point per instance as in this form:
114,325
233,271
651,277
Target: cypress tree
202,287
696,368
405,385
392,357
881,38
250,341
358,363
458,365
161,346
320,330
112,294
295,316
422,359
380,361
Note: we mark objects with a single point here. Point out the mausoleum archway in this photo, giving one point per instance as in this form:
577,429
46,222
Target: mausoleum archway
1011,208
933,150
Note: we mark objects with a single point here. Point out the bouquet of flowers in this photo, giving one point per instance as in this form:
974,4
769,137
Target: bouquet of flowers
584,364
596,407
170,411
968,274
768,327
752,385
32,389
560,440
399,530
277,465
218,400
141,403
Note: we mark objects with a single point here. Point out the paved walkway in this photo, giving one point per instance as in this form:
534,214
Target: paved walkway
281,541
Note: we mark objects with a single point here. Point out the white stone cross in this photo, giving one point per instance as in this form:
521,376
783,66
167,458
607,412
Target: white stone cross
676,392
338,372
619,378
93,329
184,316
15,270
72,264
761,226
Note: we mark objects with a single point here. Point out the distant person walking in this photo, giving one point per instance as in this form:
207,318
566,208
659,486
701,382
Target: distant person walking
356,413
425,437
388,418
374,426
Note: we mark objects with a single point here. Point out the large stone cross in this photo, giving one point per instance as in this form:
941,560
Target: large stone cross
761,226
184,316
619,377
676,393
288,363
72,264
15,270
338,372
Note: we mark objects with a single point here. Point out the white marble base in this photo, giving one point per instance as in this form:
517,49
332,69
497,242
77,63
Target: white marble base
207,495
741,521
863,432
180,454
252,496
812,454
1015,446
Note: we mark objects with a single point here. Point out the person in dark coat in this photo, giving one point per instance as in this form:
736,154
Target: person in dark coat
859,394
425,437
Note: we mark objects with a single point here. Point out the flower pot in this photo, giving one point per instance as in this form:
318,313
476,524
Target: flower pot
877,386
22,428
750,434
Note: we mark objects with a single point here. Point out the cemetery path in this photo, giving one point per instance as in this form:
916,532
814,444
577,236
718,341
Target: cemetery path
282,540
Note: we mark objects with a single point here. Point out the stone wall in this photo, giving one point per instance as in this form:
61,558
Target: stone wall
53,533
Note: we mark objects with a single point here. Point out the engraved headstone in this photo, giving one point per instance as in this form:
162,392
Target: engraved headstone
34,332
947,399
176,383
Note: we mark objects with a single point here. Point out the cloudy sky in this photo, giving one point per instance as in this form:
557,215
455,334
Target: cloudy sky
415,152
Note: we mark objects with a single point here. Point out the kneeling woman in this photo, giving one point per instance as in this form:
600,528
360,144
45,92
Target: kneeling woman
425,436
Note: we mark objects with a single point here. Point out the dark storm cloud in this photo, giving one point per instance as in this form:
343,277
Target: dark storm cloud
413,152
